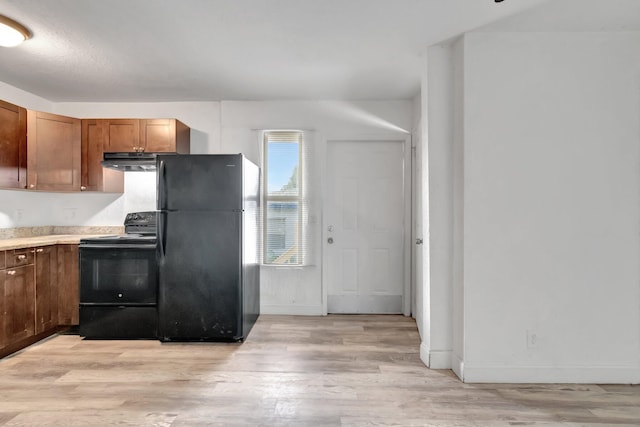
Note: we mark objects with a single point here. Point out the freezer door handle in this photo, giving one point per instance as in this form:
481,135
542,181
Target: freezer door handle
162,186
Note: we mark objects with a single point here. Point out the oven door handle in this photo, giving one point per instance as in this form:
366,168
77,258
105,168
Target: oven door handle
119,246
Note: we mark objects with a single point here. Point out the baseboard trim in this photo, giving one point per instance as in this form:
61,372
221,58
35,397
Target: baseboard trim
457,366
294,310
435,359
26,342
603,374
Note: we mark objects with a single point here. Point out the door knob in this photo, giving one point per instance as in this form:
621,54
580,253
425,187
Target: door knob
330,240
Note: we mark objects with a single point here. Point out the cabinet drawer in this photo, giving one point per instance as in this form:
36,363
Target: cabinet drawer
2,262
18,257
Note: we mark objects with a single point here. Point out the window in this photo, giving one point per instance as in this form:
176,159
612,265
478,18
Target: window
283,202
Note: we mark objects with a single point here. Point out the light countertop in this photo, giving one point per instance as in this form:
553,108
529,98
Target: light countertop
52,239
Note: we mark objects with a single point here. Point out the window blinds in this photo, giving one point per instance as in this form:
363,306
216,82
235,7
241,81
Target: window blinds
286,235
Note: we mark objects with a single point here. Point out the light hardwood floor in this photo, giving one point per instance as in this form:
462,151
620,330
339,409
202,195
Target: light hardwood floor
291,371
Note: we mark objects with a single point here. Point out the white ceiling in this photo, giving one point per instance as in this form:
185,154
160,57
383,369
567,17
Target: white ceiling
179,50
574,16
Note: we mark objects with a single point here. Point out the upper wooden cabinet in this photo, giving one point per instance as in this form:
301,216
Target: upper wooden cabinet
53,152
122,135
49,152
13,146
94,176
164,136
146,135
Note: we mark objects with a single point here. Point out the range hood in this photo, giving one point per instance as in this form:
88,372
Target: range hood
130,162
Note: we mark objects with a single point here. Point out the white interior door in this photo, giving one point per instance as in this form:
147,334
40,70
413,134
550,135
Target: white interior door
364,227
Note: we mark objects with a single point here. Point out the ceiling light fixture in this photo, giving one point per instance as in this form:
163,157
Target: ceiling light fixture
12,33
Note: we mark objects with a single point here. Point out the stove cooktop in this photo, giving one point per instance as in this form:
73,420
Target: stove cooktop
121,239
139,227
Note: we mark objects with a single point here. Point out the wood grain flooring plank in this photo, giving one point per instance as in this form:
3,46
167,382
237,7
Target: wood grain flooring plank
337,370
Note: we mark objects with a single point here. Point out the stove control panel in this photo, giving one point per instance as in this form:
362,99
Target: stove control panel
141,222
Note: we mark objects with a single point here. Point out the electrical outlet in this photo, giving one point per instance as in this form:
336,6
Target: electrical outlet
532,338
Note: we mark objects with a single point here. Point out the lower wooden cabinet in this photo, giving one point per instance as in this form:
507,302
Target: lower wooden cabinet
68,285
46,265
19,308
39,291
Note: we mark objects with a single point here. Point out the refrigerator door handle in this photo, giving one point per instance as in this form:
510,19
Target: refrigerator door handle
162,187
162,225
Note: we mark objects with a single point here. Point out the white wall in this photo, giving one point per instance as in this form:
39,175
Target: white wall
24,99
551,207
458,295
298,290
436,348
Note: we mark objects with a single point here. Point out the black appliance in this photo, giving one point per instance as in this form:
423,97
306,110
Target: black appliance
209,285
130,162
119,282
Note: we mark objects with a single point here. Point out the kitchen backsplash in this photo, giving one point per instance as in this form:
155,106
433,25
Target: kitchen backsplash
20,232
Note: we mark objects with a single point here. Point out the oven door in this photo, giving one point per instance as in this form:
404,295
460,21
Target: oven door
123,274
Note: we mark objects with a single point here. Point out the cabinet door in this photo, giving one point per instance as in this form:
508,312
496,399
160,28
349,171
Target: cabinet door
46,288
94,176
3,314
13,146
158,135
68,285
53,148
122,135
19,307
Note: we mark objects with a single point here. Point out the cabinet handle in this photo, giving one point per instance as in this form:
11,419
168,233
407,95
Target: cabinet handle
83,188
39,250
11,272
21,257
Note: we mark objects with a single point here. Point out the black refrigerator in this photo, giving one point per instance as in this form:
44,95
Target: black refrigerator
207,247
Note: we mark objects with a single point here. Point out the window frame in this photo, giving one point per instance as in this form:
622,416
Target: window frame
266,197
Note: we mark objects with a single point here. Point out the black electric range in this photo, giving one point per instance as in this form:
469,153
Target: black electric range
119,281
